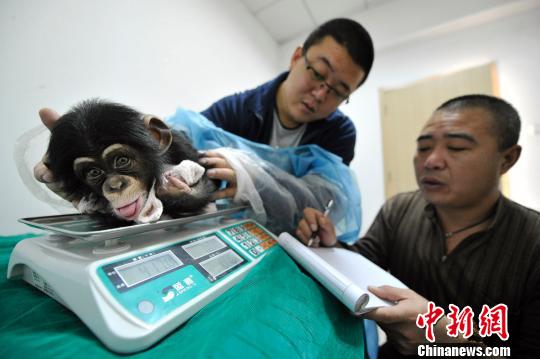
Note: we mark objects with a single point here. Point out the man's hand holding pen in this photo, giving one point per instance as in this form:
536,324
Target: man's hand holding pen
316,228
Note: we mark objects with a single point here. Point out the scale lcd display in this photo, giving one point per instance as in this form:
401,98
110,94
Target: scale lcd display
147,268
221,263
204,247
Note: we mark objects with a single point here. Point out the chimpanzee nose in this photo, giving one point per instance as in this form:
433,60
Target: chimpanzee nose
114,184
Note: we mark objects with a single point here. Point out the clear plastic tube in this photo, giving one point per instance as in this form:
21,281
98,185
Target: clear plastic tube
24,155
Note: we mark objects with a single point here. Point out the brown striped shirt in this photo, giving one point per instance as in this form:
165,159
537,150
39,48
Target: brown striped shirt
498,265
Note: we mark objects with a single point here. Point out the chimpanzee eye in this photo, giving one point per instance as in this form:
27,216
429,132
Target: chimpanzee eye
94,173
121,162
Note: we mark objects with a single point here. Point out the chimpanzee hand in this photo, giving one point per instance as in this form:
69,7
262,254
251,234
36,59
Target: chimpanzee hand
42,173
179,179
220,169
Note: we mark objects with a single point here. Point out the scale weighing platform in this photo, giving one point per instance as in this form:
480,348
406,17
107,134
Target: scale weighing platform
132,285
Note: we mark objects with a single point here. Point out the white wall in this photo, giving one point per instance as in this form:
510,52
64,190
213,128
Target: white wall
152,55
511,42
469,37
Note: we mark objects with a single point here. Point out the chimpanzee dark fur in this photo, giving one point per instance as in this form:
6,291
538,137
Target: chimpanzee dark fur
90,127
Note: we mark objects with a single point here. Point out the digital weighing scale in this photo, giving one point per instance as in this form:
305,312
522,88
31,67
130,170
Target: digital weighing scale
132,285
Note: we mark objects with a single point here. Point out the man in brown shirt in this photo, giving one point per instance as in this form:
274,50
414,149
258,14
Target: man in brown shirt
457,240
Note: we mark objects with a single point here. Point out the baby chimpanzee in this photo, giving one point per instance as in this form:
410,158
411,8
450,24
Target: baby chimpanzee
116,158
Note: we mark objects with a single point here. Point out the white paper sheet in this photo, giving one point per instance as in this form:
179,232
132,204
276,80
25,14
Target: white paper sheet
344,273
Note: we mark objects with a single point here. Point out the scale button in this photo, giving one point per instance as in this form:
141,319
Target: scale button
145,307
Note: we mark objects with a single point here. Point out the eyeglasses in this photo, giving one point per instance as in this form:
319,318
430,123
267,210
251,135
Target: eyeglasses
321,80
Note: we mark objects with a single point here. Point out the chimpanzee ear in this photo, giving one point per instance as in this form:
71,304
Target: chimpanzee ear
159,131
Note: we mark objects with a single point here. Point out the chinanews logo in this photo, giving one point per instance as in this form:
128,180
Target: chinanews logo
491,321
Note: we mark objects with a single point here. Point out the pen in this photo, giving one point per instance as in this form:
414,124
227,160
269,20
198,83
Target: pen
326,213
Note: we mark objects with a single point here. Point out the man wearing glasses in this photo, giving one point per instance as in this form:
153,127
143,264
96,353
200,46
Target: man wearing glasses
301,106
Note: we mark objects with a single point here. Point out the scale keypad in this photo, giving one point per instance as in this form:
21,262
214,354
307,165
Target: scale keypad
251,237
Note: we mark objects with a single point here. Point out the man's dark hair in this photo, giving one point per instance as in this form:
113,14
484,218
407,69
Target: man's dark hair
505,118
351,35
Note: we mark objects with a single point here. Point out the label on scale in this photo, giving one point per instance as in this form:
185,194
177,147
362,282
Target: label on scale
155,283
41,284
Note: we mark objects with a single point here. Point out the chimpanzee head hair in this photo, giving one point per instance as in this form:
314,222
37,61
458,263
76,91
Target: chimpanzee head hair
118,154
90,127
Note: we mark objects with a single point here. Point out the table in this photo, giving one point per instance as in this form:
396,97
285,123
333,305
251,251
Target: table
277,311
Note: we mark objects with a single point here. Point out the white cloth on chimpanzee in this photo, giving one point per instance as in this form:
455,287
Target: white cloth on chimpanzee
279,183
187,171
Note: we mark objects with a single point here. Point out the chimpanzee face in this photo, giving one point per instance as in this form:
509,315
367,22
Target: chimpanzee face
121,175
118,154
